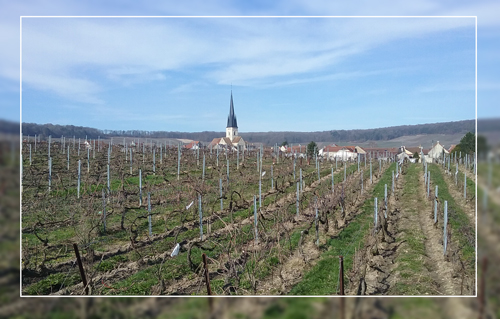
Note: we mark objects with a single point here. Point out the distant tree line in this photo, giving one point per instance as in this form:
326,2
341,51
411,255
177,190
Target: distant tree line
268,138
9,127
389,133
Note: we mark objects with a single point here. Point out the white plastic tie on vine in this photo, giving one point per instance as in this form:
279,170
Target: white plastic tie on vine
189,206
263,173
175,252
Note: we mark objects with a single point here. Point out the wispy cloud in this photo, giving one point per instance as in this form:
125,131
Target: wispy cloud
440,87
71,88
188,87
128,75
238,51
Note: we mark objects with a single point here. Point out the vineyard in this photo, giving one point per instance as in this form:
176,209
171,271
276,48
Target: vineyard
148,218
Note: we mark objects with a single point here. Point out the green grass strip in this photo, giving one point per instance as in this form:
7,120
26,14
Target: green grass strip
410,260
459,221
323,278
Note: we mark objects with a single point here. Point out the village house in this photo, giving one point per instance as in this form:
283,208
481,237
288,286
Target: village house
436,152
343,153
327,151
193,145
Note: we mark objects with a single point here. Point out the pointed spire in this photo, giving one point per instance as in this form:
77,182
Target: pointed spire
231,119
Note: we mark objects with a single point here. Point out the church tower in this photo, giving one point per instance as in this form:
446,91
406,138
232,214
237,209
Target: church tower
232,125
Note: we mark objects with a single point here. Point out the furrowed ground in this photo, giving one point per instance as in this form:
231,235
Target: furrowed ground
290,251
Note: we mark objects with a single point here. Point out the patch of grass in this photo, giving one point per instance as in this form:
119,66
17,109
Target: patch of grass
470,185
109,264
461,227
190,308
139,283
415,308
292,308
52,283
323,278
484,171
410,259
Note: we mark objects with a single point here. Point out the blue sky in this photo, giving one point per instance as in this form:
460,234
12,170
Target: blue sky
307,74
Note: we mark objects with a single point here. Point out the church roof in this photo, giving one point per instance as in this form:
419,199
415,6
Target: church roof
231,119
214,142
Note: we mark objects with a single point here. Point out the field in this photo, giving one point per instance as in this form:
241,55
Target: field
126,238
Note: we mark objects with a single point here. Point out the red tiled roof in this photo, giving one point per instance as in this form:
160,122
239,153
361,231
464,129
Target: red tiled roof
214,142
332,149
192,144
296,149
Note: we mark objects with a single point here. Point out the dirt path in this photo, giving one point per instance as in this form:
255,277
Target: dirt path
304,258
381,248
441,270
408,259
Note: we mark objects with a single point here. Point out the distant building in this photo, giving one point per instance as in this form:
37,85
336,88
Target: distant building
437,152
404,153
194,145
359,150
343,153
232,141
295,151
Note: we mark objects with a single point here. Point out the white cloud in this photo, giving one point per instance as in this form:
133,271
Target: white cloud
232,50
99,44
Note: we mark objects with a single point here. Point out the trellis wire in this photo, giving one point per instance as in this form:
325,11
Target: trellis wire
221,201
227,175
149,214
333,185
272,178
50,172
297,199
179,161
316,224
385,200
103,210
203,174
428,183
445,230
465,184
260,190
392,185
201,216
255,219
79,177
140,187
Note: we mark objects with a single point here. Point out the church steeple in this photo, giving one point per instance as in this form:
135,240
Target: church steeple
232,125
231,119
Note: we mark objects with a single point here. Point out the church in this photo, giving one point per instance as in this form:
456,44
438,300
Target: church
232,141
